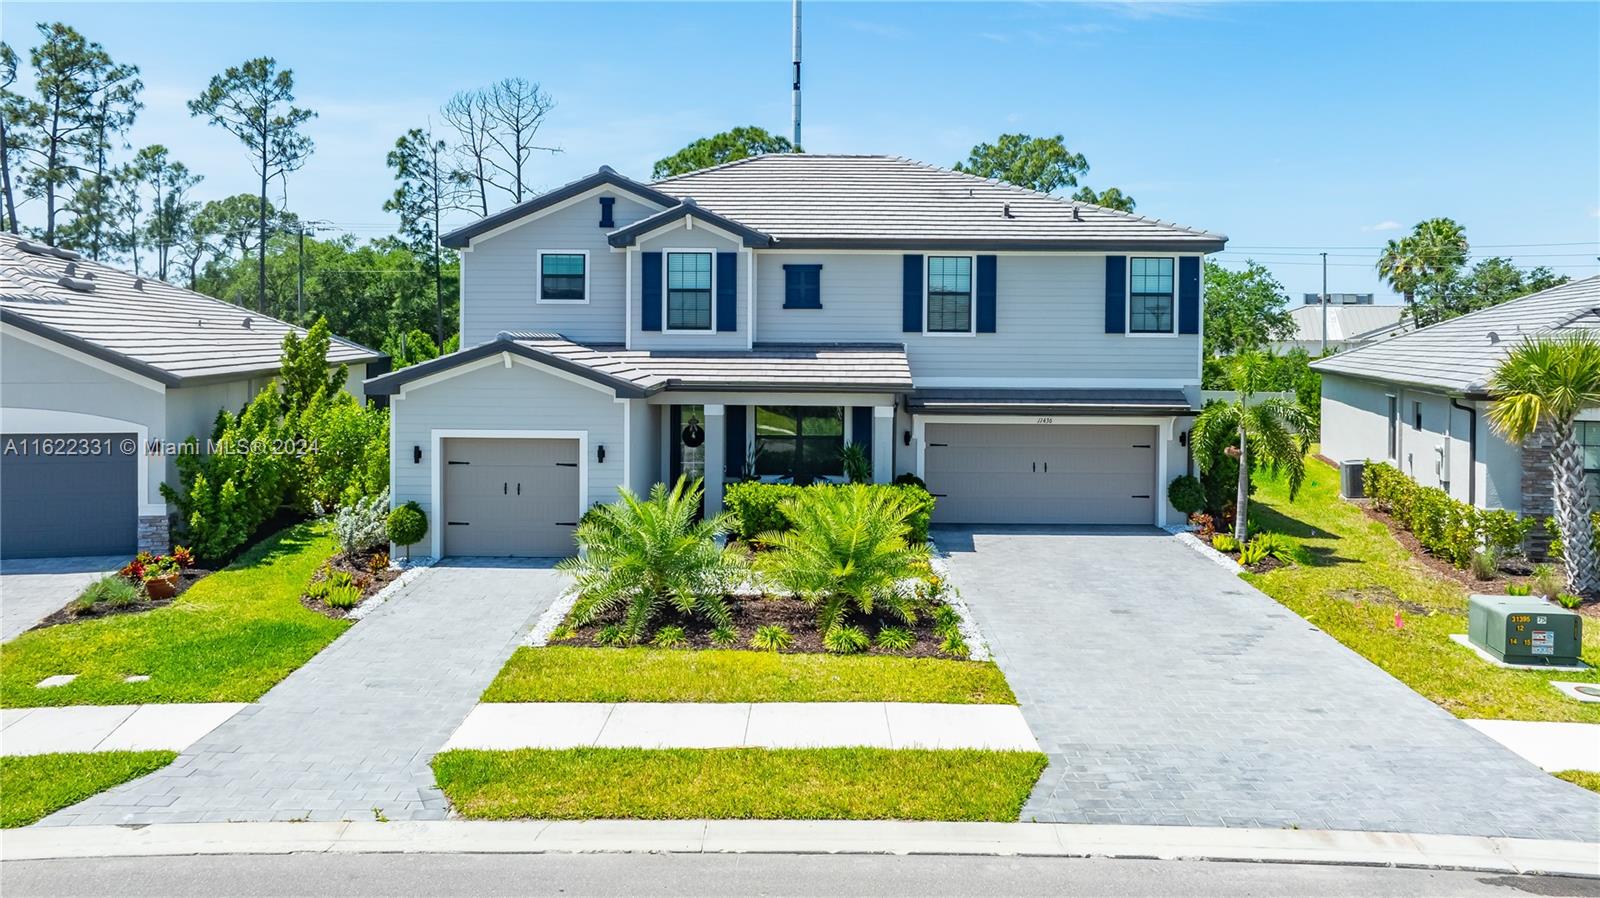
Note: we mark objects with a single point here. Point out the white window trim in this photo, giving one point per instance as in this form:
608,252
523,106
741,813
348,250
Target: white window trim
972,284
750,434
666,265
1391,422
1127,300
539,280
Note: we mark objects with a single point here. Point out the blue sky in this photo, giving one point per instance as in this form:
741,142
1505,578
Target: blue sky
1290,128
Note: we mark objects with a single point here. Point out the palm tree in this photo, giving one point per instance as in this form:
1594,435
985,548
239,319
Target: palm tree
1545,382
645,555
1434,248
1275,432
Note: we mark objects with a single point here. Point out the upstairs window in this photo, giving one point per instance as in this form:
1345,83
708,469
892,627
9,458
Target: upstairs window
1150,297
689,291
563,277
949,295
802,286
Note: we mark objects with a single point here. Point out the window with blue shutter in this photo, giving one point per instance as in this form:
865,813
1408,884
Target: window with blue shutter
1188,295
802,286
727,291
1116,294
986,294
911,294
650,291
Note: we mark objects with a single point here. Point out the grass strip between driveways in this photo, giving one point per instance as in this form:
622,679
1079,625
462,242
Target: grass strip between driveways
1354,578
738,783
1586,778
570,674
228,638
33,786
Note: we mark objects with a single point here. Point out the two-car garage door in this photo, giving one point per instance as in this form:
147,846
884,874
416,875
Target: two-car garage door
1041,473
516,497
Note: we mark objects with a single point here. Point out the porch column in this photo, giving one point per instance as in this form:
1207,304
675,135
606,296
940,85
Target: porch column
882,443
715,453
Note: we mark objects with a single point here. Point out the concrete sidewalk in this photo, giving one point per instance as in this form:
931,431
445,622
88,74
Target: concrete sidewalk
1495,854
1553,746
37,731
740,725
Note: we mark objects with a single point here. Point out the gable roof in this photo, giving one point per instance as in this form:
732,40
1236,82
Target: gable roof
636,373
1344,322
1459,355
817,201
630,235
171,335
606,176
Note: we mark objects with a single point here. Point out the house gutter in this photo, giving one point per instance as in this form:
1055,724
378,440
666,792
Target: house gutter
1472,450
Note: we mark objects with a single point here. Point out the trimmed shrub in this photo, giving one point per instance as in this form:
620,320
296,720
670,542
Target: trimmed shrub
1446,527
1187,494
910,479
757,507
226,495
346,452
406,525
362,524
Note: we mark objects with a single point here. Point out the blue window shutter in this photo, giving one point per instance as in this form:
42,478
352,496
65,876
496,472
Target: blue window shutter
1116,294
802,286
1188,295
986,289
727,291
861,427
606,202
911,299
733,440
650,291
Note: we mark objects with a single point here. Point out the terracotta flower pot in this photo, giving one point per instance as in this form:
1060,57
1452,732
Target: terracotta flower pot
162,587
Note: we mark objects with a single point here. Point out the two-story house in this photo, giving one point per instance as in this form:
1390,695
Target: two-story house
1035,360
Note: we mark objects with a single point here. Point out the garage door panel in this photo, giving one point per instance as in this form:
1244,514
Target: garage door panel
516,497
82,500
1041,473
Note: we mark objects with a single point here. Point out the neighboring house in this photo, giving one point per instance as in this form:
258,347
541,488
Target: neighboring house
99,369
1420,401
1339,299
1349,326
1034,359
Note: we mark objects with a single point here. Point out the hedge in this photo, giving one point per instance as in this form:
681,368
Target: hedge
1446,527
755,506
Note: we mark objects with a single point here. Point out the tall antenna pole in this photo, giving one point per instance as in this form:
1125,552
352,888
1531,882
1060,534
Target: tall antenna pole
796,137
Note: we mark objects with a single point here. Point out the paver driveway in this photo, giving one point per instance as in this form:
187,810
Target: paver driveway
34,588
354,729
1166,690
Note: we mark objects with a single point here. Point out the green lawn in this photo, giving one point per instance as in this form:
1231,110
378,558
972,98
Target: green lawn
738,783
1585,778
1354,580
229,638
32,786
570,674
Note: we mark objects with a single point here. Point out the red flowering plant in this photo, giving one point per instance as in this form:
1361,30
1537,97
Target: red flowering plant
134,570
183,556
158,567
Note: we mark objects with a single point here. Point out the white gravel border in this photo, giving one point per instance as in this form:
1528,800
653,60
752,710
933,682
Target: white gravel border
1199,545
552,617
977,646
410,570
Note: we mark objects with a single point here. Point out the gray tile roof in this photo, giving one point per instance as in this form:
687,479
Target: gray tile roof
173,335
1459,355
1068,401
1344,322
606,176
629,235
847,367
808,200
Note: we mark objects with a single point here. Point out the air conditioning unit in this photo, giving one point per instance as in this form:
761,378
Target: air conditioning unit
1350,479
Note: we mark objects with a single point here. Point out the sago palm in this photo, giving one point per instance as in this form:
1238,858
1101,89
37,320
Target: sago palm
847,545
1545,382
644,555
1274,433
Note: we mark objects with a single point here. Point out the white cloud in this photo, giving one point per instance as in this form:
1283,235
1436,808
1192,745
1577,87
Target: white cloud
1388,224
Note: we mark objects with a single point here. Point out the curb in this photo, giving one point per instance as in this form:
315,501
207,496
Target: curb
1440,852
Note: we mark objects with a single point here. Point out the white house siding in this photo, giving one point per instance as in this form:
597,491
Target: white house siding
500,276
1050,323
1355,421
700,237
46,384
492,397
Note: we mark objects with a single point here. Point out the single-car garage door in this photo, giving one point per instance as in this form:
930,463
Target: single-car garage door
68,494
510,497
1041,473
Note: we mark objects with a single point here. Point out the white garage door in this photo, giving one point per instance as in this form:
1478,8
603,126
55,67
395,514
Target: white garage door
510,497
1041,473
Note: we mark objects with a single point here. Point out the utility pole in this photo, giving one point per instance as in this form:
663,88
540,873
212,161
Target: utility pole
300,290
1324,303
796,137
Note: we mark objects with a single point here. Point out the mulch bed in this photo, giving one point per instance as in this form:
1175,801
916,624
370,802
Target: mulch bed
70,613
1269,564
370,571
1512,570
753,611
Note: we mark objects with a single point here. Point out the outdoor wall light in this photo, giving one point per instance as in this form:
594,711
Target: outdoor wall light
416,455
905,437
601,454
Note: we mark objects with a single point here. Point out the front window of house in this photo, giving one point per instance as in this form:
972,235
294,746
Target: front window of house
689,291
1150,300
799,442
561,277
1589,438
949,294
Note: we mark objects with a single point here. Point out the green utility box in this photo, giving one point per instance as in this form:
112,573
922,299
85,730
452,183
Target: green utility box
1524,630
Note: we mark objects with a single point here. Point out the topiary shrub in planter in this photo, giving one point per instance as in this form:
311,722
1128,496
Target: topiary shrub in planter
406,525
1186,494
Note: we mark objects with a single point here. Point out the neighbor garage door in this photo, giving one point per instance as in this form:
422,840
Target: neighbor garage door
68,494
510,497
1041,473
